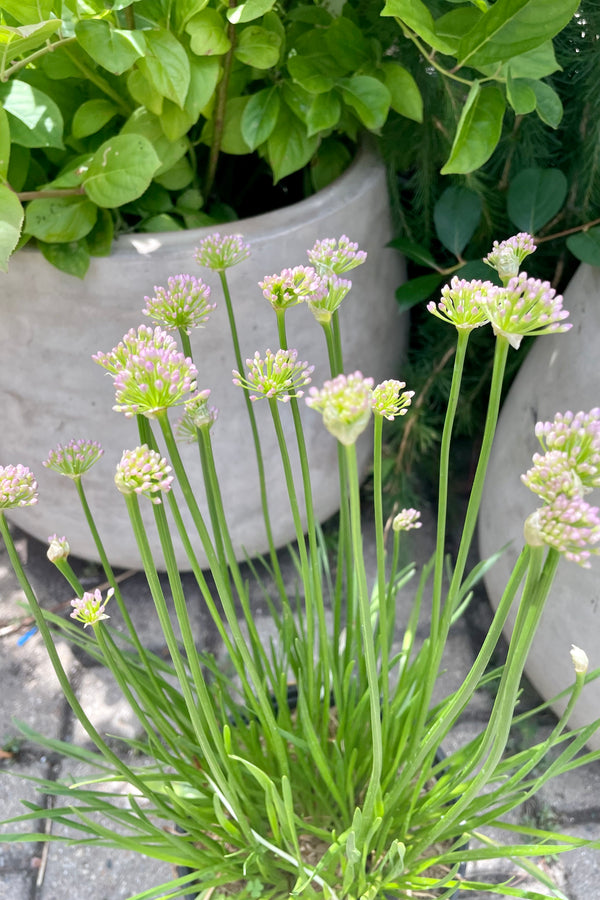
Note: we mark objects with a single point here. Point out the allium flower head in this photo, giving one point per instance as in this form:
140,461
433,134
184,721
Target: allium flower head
18,487
131,344
387,400
323,307
58,548
345,404
152,380
506,257
406,520
553,473
74,459
331,257
89,609
143,471
220,252
198,414
292,286
526,306
576,436
279,375
462,303
568,524
183,304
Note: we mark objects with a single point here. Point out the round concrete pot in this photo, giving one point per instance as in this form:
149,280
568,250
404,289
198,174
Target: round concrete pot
561,372
52,391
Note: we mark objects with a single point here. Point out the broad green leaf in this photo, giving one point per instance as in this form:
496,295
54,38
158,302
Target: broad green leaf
204,76
72,257
415,290
415,15
60,219
324,113
456,216
347,44
453,25
35,119
332,158
316,73
535,196
520,95
260,116
536,63
91,116
548,103
175,122
258,47
478,131
99,240
114,49
477,269
368,97
406,97
185,9
289,148
190,201
177,177
298,100
18,166
15,42
413,251
250,10
72,175
121,170
11,220
512,27
4,145
166,65
586,246
144,93
161,222
143,123
208,34
26,11
232,140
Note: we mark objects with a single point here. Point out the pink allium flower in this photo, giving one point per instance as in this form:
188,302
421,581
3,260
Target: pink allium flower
577,436
143,471
331,257
506,257
553,473
387,400
292,286
324,307
526,306
152,380
279,375
198,414
132,343
183,304
406,520
345,404
75,458
462,303
221,252
58,548
18,487
89,609
568,524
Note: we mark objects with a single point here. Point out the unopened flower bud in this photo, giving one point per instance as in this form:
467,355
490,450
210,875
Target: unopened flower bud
580,660
58,548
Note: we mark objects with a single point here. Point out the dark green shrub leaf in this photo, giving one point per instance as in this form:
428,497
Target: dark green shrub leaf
535,196
456,216
289,148
331,160
149,126
99,240
208,34
347,44
586,246
144,93
521,95
324,113
258,47
35,119
111,48
11,220
418,289
413,251
548,104
177,177
121,170
368,97
406,97
175,122
162,222
72,258
250,10
204,75
478,131
477,269
185,9
537,63
316,73
260,116
60,219
416,15
91,116
166,65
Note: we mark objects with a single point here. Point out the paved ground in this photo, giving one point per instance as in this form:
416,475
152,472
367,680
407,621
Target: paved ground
29,692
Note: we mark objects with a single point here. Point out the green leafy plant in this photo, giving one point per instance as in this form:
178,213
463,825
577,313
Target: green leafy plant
309,765
125,118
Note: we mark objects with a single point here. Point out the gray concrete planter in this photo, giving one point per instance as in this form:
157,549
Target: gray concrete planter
561,372
52,391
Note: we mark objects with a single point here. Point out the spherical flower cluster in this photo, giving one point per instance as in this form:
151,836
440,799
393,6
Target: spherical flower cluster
292,286
462,303
387,400
567,471
132,343
183,304
406,520
323,307
198,414
331,257
345,404
18,487
89,609
506,257
526,306
74,459
221,252
153,380
58,548
278,376
143,471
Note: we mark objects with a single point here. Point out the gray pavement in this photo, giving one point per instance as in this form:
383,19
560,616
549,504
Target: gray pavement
29,692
